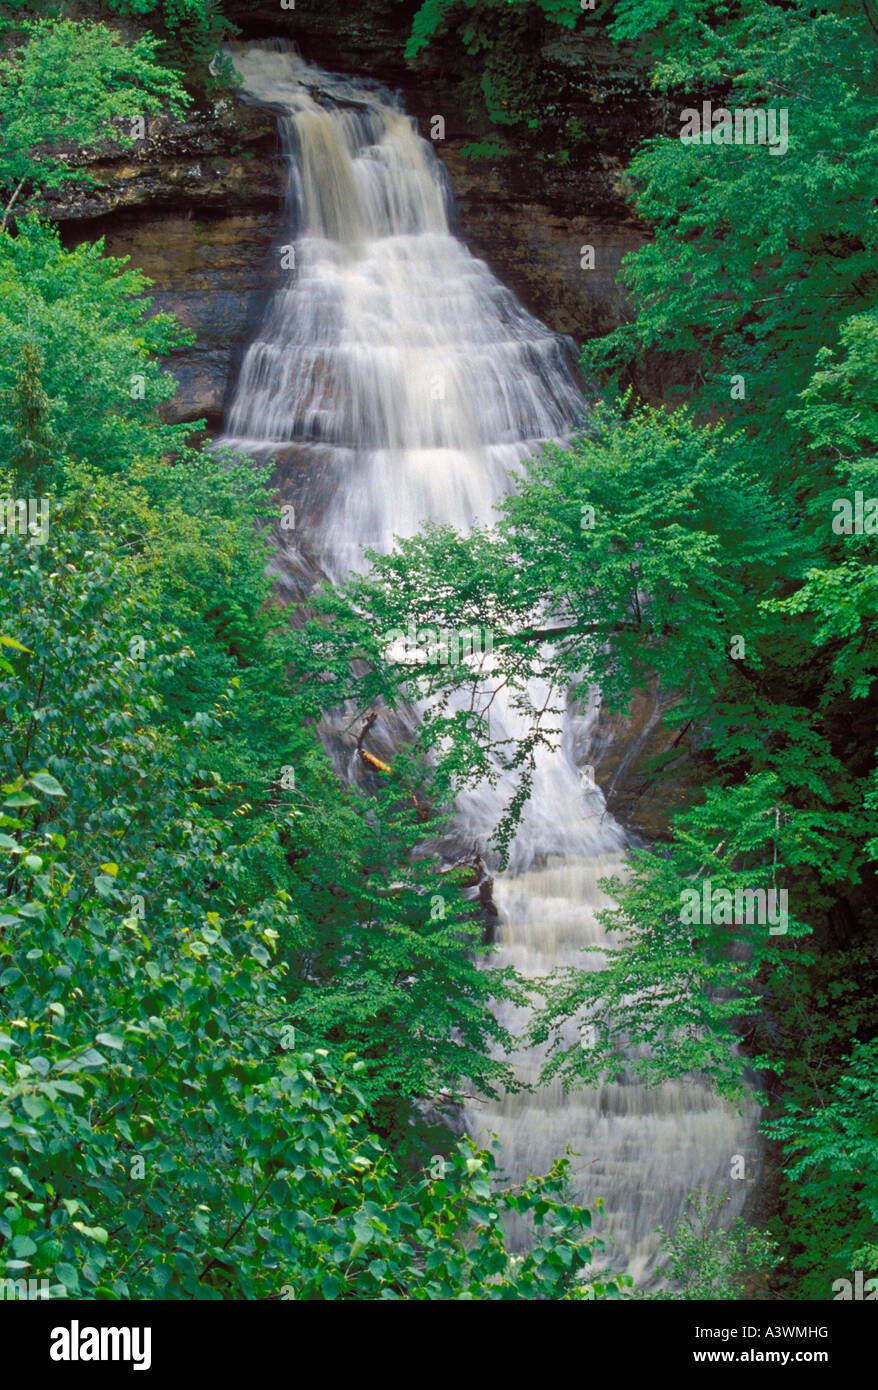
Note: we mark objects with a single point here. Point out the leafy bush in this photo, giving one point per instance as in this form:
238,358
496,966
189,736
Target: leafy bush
77,331
705,1263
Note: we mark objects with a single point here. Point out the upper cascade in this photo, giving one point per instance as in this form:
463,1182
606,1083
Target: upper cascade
389,343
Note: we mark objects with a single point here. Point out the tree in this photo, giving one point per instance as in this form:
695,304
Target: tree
756,259
73,83
830,1173
496,52
81,356
373,964
27,424
160,1135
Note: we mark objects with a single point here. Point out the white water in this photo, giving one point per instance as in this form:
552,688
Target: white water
397,380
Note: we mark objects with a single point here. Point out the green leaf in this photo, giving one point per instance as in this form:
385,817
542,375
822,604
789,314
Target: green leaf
68,1276
45,782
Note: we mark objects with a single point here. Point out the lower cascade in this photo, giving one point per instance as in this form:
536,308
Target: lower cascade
393,380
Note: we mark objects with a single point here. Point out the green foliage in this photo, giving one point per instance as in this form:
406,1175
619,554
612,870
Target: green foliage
831,1173
191,30
376,964
495,49
434,15
26,425
81,355
686,542
410,995
706,1263
390,972
72,84
757,261
80,360
485,149
173,915
684,990
175,909
177,13
159,1136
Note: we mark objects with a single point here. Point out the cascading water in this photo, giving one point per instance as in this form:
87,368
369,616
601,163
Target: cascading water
394,379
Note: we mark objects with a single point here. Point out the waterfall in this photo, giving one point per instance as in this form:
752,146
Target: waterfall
393,379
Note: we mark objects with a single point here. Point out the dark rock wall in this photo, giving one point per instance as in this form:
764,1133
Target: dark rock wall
200,211
209,269
197,205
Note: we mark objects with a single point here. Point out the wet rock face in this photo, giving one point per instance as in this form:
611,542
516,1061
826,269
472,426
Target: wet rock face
542,253
646,770
196,206
206,227
220,156
210,271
